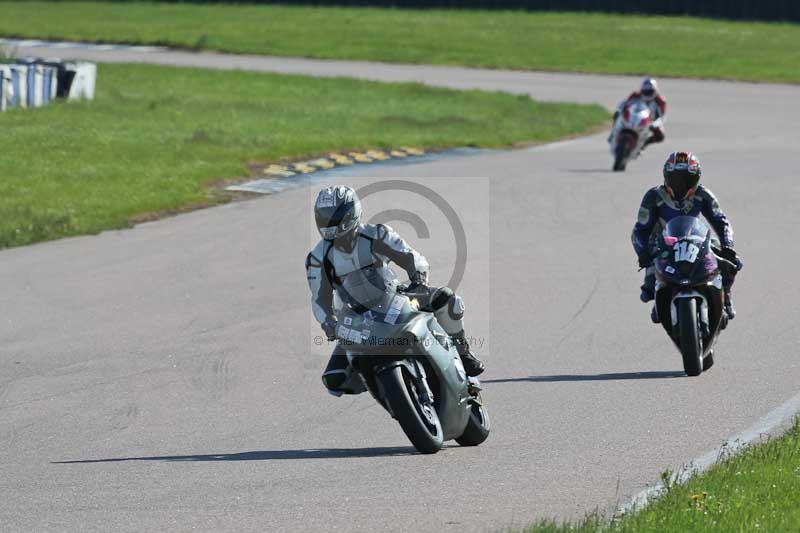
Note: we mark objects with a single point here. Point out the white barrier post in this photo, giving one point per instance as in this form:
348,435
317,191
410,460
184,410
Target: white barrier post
84,81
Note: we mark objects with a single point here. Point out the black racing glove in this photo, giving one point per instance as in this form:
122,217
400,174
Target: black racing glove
420,278
729,254
419,283
645,261
329,327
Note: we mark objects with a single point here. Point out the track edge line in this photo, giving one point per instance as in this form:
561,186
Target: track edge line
767,425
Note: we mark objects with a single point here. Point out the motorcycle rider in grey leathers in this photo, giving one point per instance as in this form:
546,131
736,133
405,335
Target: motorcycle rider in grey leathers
347,246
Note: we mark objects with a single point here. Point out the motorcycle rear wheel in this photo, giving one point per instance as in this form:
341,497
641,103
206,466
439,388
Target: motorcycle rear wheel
478,427
420,422
691,344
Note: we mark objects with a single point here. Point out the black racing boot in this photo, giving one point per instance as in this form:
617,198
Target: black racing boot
648,287
472,365
654,316
648,293
729,310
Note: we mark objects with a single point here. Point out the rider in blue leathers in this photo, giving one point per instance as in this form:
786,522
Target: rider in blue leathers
681,195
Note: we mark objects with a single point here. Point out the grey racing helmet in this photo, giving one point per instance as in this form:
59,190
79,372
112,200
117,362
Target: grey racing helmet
337,212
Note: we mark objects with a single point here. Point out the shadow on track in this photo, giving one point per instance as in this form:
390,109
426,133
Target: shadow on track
267,455
592,377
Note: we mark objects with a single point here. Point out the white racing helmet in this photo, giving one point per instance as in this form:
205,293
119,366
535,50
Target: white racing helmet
649,89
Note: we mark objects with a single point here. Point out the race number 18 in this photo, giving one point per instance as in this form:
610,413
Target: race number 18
686,251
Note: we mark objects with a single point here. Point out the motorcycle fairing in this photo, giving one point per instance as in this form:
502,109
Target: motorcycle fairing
632,127
686,267
417,343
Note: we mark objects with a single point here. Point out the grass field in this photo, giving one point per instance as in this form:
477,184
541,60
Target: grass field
756,490
670,46
155,136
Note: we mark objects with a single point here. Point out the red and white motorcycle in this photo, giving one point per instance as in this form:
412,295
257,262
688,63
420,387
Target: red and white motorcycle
631,131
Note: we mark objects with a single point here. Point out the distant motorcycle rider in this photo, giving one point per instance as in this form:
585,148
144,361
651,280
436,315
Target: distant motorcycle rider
648,93
348,246
681,195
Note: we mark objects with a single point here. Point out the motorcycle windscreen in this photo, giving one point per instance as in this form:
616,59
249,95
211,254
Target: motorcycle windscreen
687,256
369,289
685,227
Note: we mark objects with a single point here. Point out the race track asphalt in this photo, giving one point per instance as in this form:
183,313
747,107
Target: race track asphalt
165,377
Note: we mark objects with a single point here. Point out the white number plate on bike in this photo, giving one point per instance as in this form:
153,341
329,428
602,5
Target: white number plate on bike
686,251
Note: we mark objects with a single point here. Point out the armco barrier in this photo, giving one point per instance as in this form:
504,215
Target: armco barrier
788,10
35,82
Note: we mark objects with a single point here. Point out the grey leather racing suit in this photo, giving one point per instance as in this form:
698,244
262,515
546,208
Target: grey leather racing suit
374,245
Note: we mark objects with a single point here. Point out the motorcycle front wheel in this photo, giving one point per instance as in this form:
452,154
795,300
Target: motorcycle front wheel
619,155
419,421
689,335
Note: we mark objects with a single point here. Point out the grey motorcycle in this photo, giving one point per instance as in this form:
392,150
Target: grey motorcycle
408,363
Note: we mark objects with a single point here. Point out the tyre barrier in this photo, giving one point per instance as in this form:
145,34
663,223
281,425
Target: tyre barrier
36,82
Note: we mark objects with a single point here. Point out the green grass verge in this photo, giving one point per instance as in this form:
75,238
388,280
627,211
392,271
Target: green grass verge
756,490
155,136
671,46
